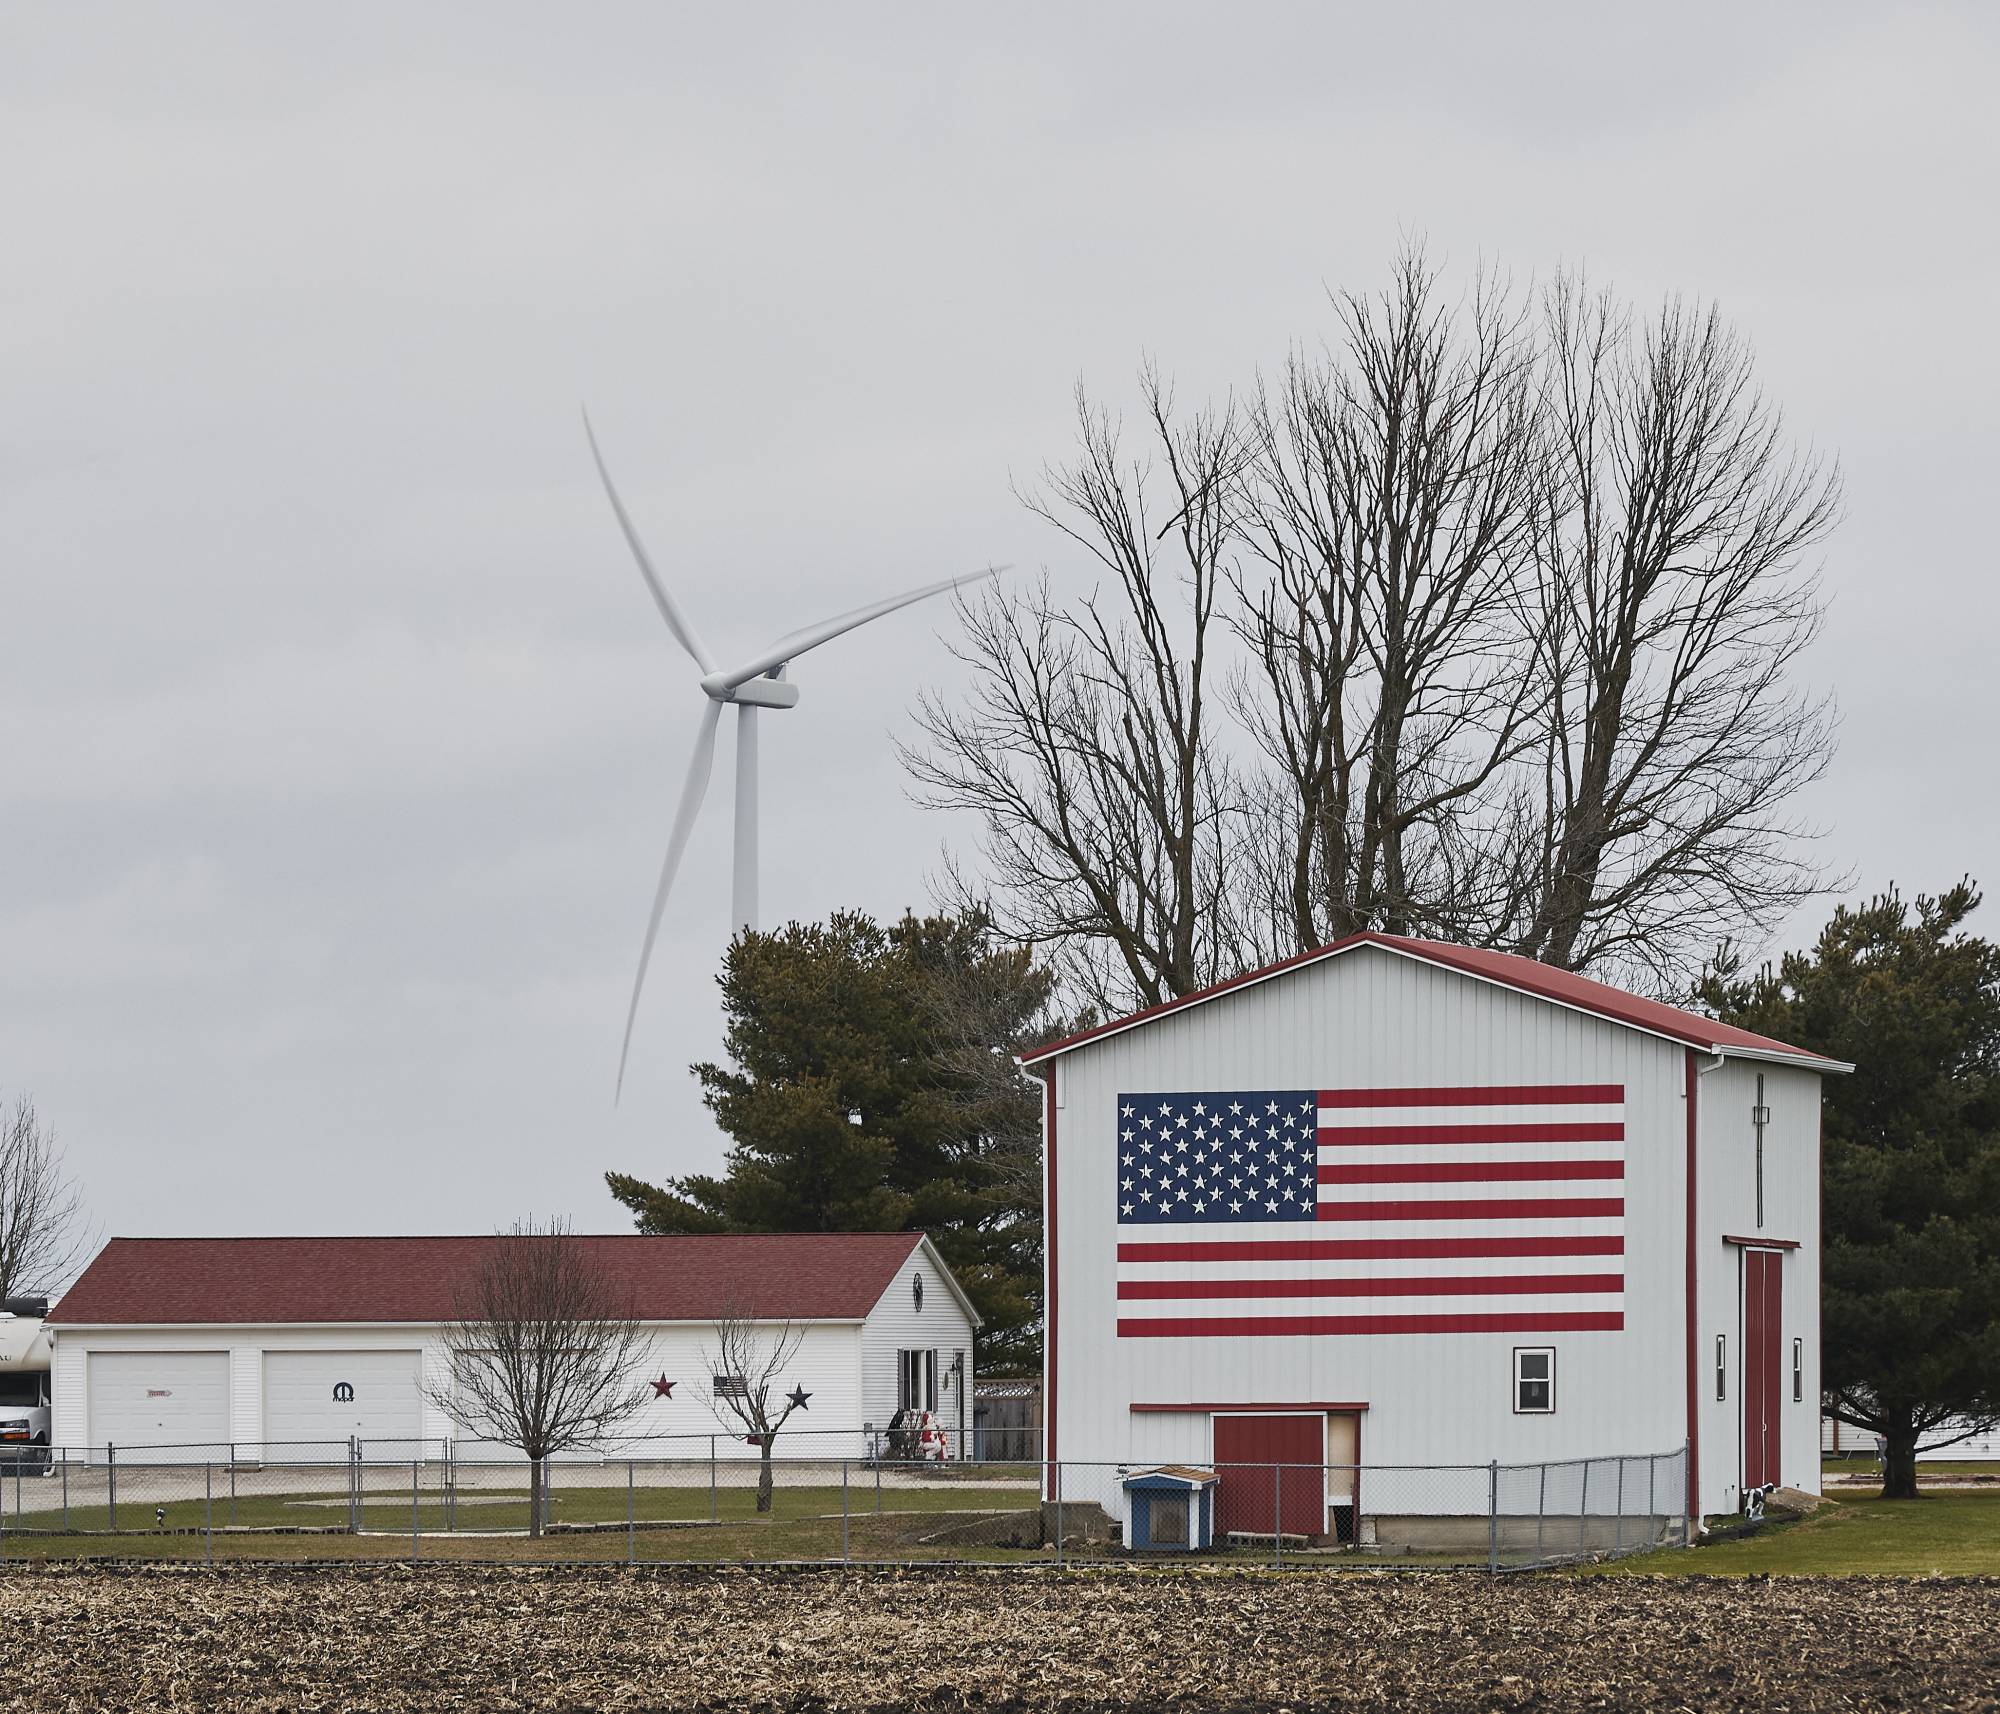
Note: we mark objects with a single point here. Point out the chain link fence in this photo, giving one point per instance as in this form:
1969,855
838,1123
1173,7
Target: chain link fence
724,1504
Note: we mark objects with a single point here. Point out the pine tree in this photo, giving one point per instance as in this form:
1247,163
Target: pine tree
871,1087
1910,1293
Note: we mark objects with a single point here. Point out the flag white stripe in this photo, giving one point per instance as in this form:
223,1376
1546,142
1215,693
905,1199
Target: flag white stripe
1387,1267
1556,1113
1470,1190
1500,1303
1365,1154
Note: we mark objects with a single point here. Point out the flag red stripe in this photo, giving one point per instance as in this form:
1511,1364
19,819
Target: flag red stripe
1366,1249
1521,1208
1504,1095
1466,1172
1271,1326
1441,1285
1356,1136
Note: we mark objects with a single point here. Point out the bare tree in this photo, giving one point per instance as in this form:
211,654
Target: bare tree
1088,752
42,1236
1677,599
1511,594
1391,509
748,1361
541,1350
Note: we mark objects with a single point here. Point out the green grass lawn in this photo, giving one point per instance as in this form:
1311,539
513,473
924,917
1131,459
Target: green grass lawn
1940,1535
507,1509
1832,1467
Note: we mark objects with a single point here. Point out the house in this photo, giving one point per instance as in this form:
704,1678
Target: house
1396,1202
268,1343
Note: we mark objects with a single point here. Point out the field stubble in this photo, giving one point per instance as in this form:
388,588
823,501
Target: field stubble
244,1638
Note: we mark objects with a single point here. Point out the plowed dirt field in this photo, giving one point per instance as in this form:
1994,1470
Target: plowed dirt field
350,1639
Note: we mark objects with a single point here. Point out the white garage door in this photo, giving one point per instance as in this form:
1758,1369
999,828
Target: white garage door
151,1398
332,1395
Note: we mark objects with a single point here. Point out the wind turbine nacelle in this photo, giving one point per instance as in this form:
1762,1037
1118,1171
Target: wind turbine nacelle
763,693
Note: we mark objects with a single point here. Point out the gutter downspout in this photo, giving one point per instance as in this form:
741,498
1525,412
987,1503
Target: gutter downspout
1692,1095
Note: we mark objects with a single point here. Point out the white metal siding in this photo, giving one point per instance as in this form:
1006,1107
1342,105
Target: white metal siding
385,1412
1726,1192
1370,1018
152,1398
895,1324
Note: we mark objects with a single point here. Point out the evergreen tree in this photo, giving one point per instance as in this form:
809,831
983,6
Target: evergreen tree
1910,1294
871,1087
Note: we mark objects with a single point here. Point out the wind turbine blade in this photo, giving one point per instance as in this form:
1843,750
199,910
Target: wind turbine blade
692,792
677,621
796,643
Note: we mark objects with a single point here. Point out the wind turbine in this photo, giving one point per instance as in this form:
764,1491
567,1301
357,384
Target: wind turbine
756,684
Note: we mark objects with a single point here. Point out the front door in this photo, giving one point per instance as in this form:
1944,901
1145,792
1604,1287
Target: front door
1271,1468
1763,1378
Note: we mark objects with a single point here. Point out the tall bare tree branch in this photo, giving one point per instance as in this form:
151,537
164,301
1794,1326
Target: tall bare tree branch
42,1233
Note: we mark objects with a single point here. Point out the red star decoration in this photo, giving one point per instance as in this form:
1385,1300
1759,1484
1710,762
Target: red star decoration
662,1388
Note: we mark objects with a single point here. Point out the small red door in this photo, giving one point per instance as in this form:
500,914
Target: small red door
1763,1377
1270,1466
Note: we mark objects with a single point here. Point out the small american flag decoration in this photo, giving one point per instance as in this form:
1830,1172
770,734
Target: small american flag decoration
1345,1211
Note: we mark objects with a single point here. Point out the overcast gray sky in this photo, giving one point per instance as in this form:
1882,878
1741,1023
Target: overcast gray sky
339,739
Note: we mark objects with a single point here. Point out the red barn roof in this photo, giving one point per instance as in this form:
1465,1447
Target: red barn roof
772,1277
1524,975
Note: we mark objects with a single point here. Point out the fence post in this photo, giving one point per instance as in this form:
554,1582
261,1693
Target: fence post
712,1516
1059,1516
1690,1501
843,1512
1277,1517
878,1482
232,1484
1583,1512
631,1517
416,1491
65,1469
111,1482
208,1508
1541,1512
353,1486
1618,1511
1492,1518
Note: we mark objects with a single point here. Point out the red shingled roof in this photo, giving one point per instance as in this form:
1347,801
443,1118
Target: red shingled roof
779,1276
1524,975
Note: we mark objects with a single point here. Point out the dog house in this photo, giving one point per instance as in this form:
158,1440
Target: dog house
1170,1509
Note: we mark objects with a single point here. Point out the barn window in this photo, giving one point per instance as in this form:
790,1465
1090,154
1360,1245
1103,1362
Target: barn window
1534,1379
1722,1366
1798,1371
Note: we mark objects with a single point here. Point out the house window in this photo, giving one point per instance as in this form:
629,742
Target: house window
1798,1371
916,1380
1534,1379
1722,1366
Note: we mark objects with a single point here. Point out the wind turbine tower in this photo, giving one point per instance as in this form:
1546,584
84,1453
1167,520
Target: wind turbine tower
750,688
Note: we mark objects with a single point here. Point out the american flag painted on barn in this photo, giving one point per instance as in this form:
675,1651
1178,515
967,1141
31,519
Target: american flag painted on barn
1345,1211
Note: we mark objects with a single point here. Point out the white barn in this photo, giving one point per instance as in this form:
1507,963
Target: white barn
1395,1202
259,1344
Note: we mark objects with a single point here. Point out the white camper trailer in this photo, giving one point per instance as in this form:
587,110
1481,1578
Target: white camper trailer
25,1353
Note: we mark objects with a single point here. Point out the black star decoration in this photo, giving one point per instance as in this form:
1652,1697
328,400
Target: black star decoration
798,1396
663,1388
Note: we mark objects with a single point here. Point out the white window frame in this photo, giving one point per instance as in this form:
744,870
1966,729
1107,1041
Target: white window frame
917,1378
1548,1380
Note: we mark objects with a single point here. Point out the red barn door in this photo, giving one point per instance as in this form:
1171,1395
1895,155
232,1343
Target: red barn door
1763,1377
1271,1467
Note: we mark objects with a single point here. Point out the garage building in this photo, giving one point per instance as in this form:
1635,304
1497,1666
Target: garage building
259,1344
1396,1202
